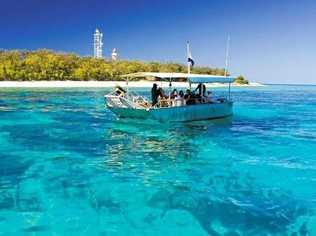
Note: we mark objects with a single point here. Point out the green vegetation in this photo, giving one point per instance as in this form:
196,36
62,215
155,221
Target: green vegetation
241,80
49,65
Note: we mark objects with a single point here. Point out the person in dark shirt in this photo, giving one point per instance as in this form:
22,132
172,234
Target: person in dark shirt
189,98
154,94
202,89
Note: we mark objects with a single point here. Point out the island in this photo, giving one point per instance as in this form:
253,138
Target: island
47,66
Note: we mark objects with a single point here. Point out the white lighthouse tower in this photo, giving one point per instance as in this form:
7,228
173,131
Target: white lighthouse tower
98,44
114,54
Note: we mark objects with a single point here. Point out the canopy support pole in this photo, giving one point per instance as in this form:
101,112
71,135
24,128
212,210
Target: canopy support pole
226,64
170,85
127,84
229,91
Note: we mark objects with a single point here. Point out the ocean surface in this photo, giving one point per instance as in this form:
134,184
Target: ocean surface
69,167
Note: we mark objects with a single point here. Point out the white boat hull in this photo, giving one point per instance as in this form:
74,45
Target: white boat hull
181,113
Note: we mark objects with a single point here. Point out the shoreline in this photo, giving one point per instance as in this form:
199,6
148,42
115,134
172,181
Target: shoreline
106,84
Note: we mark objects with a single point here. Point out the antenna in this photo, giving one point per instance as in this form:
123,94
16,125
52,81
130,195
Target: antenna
188,55
227,55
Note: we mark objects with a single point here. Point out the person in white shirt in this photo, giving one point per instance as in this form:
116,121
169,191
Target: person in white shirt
179,100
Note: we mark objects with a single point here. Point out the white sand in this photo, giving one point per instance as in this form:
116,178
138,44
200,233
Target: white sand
101,84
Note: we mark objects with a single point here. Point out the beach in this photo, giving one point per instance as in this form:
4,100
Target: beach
105,84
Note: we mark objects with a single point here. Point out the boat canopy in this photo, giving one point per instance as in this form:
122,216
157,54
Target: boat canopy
192,78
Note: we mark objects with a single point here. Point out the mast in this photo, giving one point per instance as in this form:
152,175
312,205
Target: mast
189,61
227,55
226,63
188,56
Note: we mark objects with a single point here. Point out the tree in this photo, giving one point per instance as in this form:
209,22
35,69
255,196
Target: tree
241,80
48,65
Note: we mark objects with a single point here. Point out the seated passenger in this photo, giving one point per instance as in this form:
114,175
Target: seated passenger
174,94
187,94
161,93
181,94
202,89
200,97
179,100
189,98
164,102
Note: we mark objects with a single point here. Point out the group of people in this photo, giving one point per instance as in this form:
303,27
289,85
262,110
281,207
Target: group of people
180,98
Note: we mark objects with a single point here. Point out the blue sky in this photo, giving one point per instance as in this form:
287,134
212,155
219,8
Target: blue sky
271,41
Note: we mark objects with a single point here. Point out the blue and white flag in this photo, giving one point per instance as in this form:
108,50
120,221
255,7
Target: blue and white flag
190,59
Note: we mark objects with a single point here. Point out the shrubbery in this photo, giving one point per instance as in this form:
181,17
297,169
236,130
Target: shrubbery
241,80
49,65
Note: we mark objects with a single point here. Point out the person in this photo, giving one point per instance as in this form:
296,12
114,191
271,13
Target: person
161,93
173,94
163,98
179,100
202,89
188,97
154,94
187,94
119,91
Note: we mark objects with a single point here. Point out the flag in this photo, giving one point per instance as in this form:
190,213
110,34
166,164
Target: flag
190,59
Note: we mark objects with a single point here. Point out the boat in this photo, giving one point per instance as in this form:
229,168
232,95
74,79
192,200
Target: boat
128,104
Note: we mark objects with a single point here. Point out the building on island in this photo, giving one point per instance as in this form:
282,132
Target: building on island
97,44
114,55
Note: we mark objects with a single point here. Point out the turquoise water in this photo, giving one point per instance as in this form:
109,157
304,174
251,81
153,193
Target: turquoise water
68,167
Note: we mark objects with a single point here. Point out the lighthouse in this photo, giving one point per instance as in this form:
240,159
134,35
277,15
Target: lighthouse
114,54
97,44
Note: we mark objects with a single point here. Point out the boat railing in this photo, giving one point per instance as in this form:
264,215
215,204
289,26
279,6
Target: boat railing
127,100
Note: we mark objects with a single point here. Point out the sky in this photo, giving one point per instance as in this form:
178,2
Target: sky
270,41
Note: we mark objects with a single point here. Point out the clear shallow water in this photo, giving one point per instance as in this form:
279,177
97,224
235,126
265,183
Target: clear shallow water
68,167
